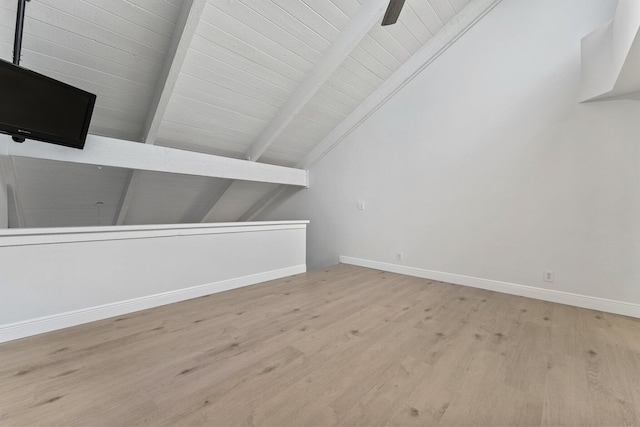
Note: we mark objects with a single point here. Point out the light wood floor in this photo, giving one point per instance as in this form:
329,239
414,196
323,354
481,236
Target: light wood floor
341,346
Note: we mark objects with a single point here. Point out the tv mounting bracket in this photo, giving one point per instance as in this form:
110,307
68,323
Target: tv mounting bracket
17,43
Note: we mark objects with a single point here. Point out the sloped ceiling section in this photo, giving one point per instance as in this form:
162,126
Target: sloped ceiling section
247,62
247,57
380,53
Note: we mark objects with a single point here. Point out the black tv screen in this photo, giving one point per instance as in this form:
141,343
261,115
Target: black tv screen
38,107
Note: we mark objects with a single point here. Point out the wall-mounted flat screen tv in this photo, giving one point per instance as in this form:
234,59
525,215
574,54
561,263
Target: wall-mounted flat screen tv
38,107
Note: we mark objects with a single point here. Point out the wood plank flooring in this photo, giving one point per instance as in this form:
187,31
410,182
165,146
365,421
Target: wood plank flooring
340,346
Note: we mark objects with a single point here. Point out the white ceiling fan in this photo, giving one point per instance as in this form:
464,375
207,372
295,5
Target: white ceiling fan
393,11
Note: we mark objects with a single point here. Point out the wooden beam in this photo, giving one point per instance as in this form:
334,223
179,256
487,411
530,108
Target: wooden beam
176,54
105,151
368,16
444,39
179,46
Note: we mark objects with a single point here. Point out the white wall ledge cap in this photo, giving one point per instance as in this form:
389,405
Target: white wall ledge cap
37,236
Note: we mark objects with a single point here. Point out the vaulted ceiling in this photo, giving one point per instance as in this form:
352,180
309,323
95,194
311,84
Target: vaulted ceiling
277,82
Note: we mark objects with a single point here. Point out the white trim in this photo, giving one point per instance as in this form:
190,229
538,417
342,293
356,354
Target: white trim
100,150
39,236
584,301
40,325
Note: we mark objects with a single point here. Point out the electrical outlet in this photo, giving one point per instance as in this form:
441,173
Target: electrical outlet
398,256
360,205
548,276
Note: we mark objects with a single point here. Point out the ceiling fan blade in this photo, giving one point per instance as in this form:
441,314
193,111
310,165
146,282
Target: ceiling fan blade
393,11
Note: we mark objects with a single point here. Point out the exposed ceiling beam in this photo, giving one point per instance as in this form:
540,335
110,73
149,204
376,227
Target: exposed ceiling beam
14,214
105,151
428,53
176,53
368,16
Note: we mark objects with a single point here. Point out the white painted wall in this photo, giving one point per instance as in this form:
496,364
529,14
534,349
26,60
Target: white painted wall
53,278
487,166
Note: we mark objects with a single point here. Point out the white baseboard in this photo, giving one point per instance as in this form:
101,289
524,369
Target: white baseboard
40,325
584,301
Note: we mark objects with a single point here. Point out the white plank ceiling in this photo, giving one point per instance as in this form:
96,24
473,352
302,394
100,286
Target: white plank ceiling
244,61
